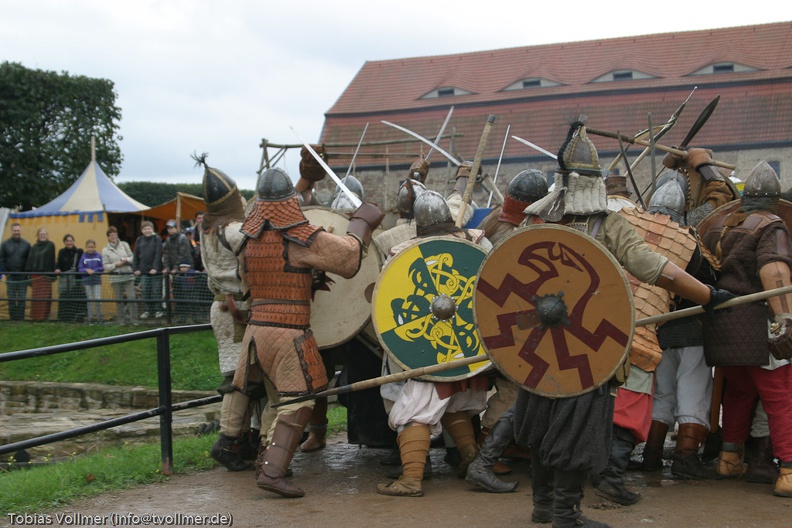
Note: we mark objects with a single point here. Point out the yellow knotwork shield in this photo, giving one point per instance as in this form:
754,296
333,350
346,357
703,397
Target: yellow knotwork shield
554,310
423,306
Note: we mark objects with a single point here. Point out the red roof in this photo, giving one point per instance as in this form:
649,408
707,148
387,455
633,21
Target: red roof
755,108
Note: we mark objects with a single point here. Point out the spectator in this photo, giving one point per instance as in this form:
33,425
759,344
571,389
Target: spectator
196,232
13,257
91,266
117,259
147,264
177,260
69,287
41,259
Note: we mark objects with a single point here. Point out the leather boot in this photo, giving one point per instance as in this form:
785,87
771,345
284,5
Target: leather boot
730,461
687,464
226,451
278,455
567,495
460,428
762,467
783,484
611,484
317,428
653,450
499,468
414,443
542,490
480,471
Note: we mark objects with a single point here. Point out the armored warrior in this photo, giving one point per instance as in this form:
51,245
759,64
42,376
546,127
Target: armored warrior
751,343
422,407
570,436
281,251
497,423
221,240
683,381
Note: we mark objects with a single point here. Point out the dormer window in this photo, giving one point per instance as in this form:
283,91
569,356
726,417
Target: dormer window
445,92
622,75
724,67
531,82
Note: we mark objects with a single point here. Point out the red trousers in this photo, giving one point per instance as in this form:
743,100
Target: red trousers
744,386
633,411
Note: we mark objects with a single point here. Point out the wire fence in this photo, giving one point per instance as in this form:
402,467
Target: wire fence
181,298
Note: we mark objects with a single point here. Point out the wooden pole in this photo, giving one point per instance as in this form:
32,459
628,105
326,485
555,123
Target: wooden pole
471,183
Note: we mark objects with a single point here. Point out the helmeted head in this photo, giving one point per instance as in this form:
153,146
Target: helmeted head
274,185
353,184
762,189
431,209
405,199
670,197
218,187
528,186
578,153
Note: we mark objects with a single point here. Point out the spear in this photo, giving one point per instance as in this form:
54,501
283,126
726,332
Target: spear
495,178
431,369
467,196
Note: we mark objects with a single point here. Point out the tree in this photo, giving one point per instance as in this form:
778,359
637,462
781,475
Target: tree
46,123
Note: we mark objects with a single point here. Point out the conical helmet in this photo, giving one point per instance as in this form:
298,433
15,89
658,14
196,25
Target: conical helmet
669,198
578,153
274,185
762,182
217,185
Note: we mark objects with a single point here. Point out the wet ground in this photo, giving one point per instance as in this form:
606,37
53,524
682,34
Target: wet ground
340,483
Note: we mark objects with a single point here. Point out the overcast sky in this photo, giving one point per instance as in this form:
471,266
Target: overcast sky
217,76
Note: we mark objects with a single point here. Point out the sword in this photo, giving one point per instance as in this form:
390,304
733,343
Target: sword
419,137
497,168
440,134
349,169
349,194
660,133
535,147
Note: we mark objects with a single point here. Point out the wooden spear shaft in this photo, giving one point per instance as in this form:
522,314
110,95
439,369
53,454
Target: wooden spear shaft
695,310
471,183
390,378
664,148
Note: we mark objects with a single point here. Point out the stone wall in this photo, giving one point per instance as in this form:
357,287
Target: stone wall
42,396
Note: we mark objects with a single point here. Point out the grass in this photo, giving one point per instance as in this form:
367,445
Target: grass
194,367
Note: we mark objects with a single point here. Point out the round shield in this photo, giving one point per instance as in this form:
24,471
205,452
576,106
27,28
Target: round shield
554,310
784,211
423,306
341,311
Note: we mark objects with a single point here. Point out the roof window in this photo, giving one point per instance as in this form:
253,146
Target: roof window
445,92
723,67
531,82
622,75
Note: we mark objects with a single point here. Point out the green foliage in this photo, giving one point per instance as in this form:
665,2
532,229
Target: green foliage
193,357
155,193
46,123
47,487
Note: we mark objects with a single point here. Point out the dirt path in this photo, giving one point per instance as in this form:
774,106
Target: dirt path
340,486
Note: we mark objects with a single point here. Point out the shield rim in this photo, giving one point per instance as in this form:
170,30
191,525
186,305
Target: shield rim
388,352
624,281
329,344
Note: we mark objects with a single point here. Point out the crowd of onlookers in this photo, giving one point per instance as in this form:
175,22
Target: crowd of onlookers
158,276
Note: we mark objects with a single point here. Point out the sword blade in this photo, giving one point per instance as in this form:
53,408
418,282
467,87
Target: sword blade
354,156
535,147
440,134
419,137
349,194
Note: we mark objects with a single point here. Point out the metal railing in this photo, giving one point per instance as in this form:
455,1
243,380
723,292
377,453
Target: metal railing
164,410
